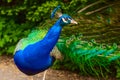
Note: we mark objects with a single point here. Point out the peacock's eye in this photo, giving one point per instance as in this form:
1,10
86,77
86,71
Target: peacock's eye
70,18
66,19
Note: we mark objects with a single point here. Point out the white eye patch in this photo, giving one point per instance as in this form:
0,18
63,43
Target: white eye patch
69,19
64,20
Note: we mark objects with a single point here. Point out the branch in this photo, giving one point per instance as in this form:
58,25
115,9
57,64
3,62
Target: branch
97,10
83,9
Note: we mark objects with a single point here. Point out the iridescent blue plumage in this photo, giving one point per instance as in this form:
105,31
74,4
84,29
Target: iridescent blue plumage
35,57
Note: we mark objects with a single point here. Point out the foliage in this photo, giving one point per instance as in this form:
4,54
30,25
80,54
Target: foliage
10,33
27,10
88,58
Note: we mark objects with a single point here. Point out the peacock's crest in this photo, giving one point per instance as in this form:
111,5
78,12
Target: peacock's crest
54,11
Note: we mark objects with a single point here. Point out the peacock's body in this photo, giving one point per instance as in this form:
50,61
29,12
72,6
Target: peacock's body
32,54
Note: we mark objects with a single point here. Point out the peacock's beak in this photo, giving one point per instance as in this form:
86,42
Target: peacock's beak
73,22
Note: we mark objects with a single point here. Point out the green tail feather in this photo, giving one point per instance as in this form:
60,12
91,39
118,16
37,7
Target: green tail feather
88,57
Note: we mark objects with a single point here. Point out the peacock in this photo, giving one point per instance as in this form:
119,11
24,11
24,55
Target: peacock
32,54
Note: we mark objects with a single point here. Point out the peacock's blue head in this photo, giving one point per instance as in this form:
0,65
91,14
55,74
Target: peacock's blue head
66,19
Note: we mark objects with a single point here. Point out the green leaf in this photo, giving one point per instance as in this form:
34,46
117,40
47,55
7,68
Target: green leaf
9,1
3,12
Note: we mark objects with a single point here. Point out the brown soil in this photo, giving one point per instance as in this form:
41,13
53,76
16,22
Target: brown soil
8,71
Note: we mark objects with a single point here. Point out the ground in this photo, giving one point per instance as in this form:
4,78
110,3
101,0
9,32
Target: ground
8,71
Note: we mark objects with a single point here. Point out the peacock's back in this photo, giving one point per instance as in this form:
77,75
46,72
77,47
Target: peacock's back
35,36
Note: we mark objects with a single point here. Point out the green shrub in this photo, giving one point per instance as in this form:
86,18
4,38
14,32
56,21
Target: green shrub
10,33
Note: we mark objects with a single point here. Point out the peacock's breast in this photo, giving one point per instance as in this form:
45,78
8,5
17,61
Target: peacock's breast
32,67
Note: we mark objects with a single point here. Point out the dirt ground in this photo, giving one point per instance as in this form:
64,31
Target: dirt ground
8,71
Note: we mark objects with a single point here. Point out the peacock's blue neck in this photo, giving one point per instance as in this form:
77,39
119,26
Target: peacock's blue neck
51,37
54,31
53,34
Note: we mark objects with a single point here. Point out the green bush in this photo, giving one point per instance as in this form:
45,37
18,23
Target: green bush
10,33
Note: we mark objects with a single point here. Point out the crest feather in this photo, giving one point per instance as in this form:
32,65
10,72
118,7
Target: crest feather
54,11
